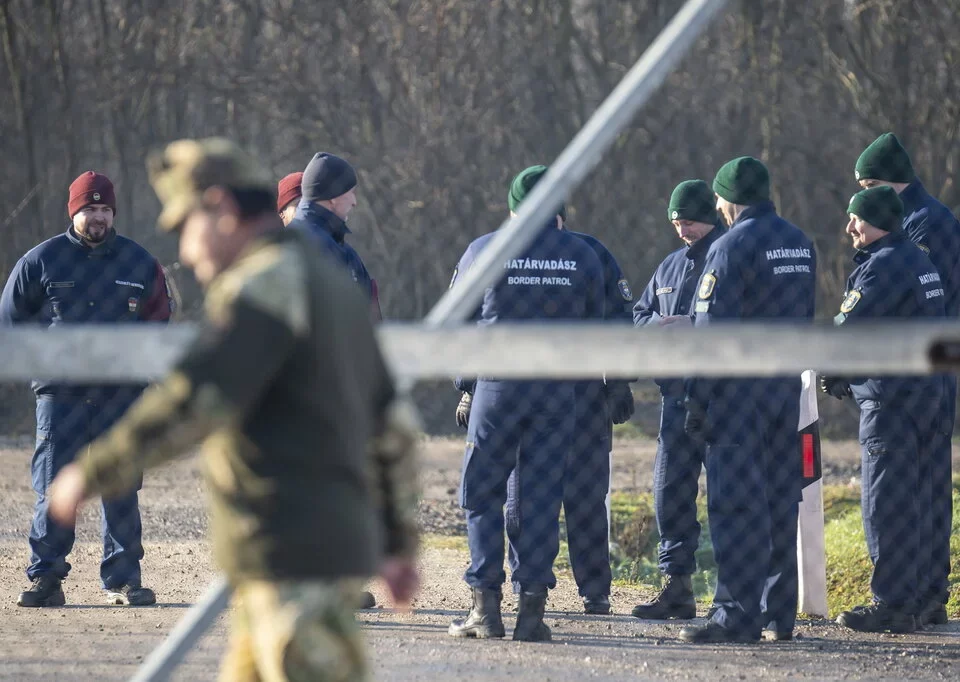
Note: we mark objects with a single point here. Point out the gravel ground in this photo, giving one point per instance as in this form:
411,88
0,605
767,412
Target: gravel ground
88,640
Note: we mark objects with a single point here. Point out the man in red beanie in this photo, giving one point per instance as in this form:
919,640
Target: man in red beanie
89,274
288,196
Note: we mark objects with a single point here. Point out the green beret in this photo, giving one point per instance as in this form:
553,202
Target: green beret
693,200
879,206
523,183
885,159
743,181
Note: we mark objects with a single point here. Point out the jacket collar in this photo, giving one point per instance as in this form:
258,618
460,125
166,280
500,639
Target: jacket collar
320,218
754,211
864,254
700,248
913,196
105,249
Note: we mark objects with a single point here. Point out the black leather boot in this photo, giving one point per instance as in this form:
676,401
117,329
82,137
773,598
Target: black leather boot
530,626
674,601
484,620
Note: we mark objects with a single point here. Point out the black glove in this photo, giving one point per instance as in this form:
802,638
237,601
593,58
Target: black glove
838,388
463,410
619,401
695,423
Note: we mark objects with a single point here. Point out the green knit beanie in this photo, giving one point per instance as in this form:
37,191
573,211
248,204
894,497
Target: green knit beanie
879,206
523,183
885,159
693,200
743,181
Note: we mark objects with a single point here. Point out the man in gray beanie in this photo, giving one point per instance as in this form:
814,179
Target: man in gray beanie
329,187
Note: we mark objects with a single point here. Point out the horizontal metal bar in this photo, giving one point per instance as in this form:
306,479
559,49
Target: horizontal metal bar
110,354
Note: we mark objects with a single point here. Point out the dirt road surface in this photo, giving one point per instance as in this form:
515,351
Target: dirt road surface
87,640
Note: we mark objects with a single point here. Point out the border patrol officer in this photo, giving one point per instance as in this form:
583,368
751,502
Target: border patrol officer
288,391
893,279
328,195
932,226
88,274
763,268
288,196
524,426
668,299
599,405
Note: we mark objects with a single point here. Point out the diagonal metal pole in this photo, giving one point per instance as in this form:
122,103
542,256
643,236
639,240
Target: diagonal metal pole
571,167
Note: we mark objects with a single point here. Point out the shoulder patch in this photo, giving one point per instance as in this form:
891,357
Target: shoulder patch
272,279
624,288
707,284
850,301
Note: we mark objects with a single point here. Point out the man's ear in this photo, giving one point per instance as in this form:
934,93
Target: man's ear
221,202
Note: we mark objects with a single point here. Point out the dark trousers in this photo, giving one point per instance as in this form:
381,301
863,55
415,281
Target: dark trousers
753,463
586,482
675,476
896,497
527,427
937,469
64,428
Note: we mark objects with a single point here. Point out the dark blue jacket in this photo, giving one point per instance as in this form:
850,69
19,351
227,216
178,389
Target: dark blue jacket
63,281
894,279
558,278
330,232
934,228
618,299
763,269
670,292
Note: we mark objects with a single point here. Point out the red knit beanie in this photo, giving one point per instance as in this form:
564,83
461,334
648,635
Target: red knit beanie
91,188
289,190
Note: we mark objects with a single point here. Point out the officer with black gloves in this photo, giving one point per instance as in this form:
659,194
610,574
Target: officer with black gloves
762,269
930,225
668,300
893,279
600,405
522,427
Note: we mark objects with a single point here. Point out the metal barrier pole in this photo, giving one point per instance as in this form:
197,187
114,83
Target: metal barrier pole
162,660
571,167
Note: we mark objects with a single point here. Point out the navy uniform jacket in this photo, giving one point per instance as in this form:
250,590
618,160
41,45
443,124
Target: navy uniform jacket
558,278
63,281
894,279
934,228
763,269
671,289
616,290
329,232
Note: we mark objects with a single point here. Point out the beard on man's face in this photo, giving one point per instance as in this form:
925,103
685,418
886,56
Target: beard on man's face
95,231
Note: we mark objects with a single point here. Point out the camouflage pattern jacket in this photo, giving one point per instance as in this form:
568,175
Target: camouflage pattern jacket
307,454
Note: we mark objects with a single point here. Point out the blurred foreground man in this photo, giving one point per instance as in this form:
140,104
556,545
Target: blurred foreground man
89,274
932,226
288,391
895,280
762,270
522,426
668,300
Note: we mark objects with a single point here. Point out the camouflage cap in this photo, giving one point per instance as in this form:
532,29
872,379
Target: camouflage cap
186,168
